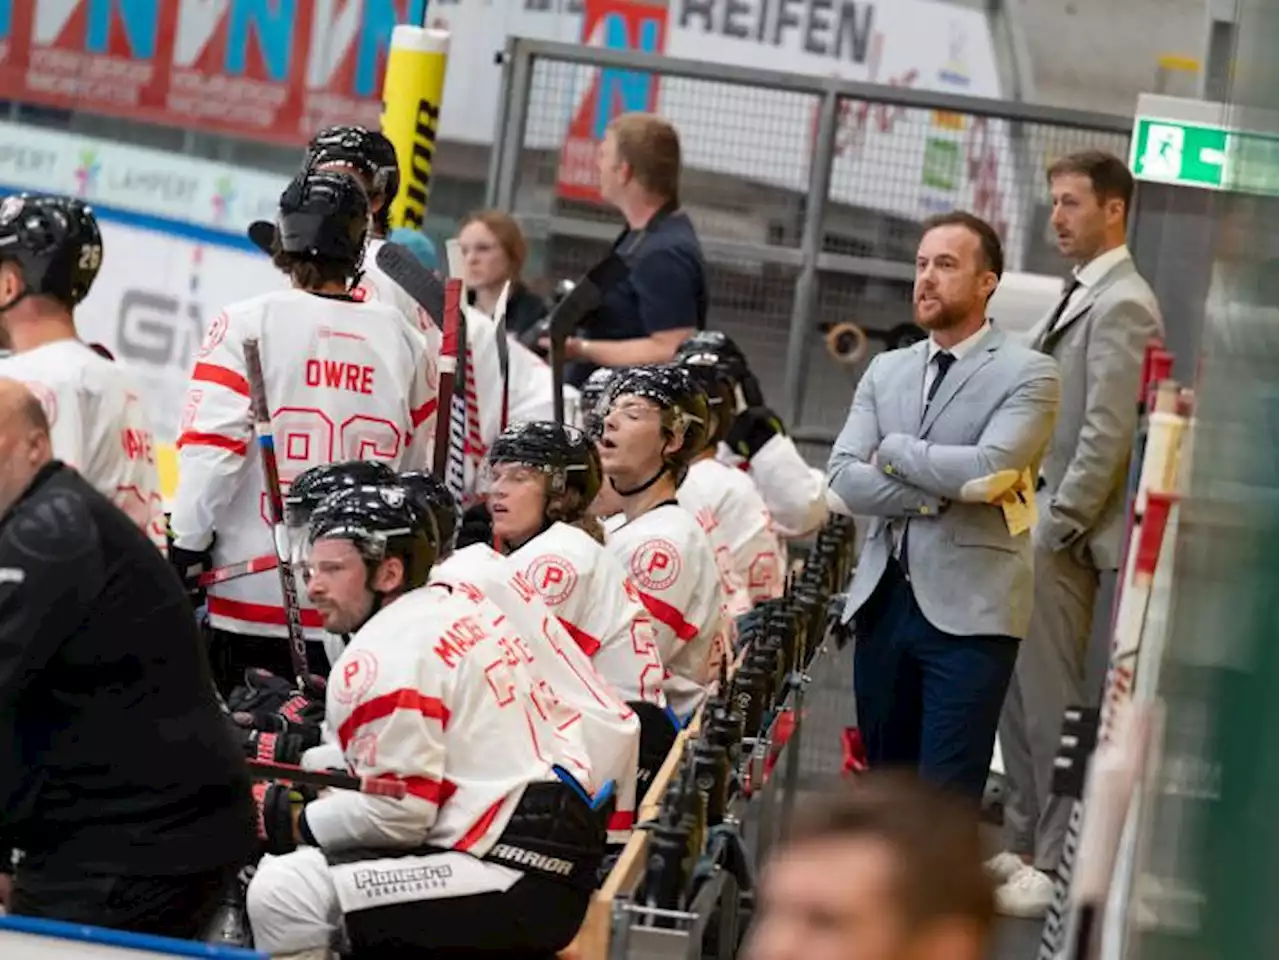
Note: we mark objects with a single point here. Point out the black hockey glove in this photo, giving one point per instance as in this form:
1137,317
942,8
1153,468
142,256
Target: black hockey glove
279,747
477,527
272,704
189,564
276,803
752,429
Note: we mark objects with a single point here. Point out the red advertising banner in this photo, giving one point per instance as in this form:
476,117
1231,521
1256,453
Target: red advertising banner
274,70
614,25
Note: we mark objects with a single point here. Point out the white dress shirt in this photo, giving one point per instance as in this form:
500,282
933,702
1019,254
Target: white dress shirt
958,351
1088,276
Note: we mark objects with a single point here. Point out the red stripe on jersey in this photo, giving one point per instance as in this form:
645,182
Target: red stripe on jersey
192,438
388,703
223,376
666,613
425,788
622,820
259,612
480,827
585,641
424,412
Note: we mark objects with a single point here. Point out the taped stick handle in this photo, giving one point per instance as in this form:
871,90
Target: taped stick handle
371,786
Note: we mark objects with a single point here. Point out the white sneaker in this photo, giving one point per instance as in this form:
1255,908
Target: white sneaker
1003,866
1026,894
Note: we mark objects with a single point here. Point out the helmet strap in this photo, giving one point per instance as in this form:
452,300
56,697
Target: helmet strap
643,487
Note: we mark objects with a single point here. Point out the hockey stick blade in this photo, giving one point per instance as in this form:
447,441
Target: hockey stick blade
245,568
399,263
373,786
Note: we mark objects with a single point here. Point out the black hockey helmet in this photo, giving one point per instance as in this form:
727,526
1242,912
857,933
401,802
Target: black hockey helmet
718,348
590,395
719,388
323,216
368,153
432,498
312,486
566,454
381,523
683,402
56,243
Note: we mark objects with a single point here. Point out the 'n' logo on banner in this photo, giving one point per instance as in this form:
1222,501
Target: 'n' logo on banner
613,25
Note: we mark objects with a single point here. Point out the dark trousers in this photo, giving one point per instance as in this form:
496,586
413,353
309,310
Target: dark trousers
927,699
180,906
231,654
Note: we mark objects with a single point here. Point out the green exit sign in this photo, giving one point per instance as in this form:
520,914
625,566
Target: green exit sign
1214,158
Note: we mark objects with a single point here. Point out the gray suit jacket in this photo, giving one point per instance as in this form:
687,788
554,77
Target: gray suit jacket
993,411
1098,344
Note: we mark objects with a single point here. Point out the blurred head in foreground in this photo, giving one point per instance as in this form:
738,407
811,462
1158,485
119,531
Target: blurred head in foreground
887,868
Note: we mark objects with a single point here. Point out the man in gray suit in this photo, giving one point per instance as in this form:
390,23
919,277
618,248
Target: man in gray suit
1098,334
942,592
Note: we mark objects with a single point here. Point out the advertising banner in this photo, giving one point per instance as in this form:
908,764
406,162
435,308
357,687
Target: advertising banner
274,70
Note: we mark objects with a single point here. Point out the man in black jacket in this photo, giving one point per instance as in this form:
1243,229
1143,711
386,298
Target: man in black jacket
119,781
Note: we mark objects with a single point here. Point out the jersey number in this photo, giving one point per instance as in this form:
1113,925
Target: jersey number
306,438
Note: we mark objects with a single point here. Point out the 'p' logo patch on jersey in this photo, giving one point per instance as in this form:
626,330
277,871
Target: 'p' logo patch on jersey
554,578
356,676
656,564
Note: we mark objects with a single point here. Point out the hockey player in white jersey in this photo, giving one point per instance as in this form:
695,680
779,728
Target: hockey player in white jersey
793,492
543,477
50,253
725,502
344,381
582,703
656,423
490,852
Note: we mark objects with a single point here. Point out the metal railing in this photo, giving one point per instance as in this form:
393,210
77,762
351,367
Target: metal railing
807,192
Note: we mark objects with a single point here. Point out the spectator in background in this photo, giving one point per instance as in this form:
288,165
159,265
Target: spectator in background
889,869
493,252
664,300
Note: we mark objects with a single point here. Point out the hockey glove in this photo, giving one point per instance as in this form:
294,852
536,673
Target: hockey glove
276,804
279,747
258,698
189,564
752,429
477,527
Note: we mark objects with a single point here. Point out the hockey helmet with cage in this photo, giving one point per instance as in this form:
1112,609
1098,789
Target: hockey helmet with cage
323,216
590,397
55,242
682,400
718,348
433,499
367,153
380,522
564,453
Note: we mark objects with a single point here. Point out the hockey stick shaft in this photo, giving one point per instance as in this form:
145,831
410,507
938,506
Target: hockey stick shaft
245,568
373,786
448,376
275,503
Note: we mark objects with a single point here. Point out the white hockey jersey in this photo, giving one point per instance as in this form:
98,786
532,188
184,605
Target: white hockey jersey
587,587
344,381
672,564
729,509
794,492
430,693
99,425
576,698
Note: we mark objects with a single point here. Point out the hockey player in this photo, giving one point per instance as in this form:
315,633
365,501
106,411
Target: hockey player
491,852
725,502
344,381
793,492
656,423
584,705
543,478
50,253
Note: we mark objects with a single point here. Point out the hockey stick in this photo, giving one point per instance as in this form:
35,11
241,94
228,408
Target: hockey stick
504,353
373,786
448,379
407,272
569,313
261,413
459,408
245,568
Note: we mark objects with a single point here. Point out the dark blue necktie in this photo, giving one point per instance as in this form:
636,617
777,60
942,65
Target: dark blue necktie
944,361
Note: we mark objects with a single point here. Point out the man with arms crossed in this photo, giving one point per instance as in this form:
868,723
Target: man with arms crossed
942,593
1097,334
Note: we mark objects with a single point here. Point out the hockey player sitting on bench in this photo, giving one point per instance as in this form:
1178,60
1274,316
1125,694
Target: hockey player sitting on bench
488,854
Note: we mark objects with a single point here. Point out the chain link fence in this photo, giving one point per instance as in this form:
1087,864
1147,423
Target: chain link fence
807,192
